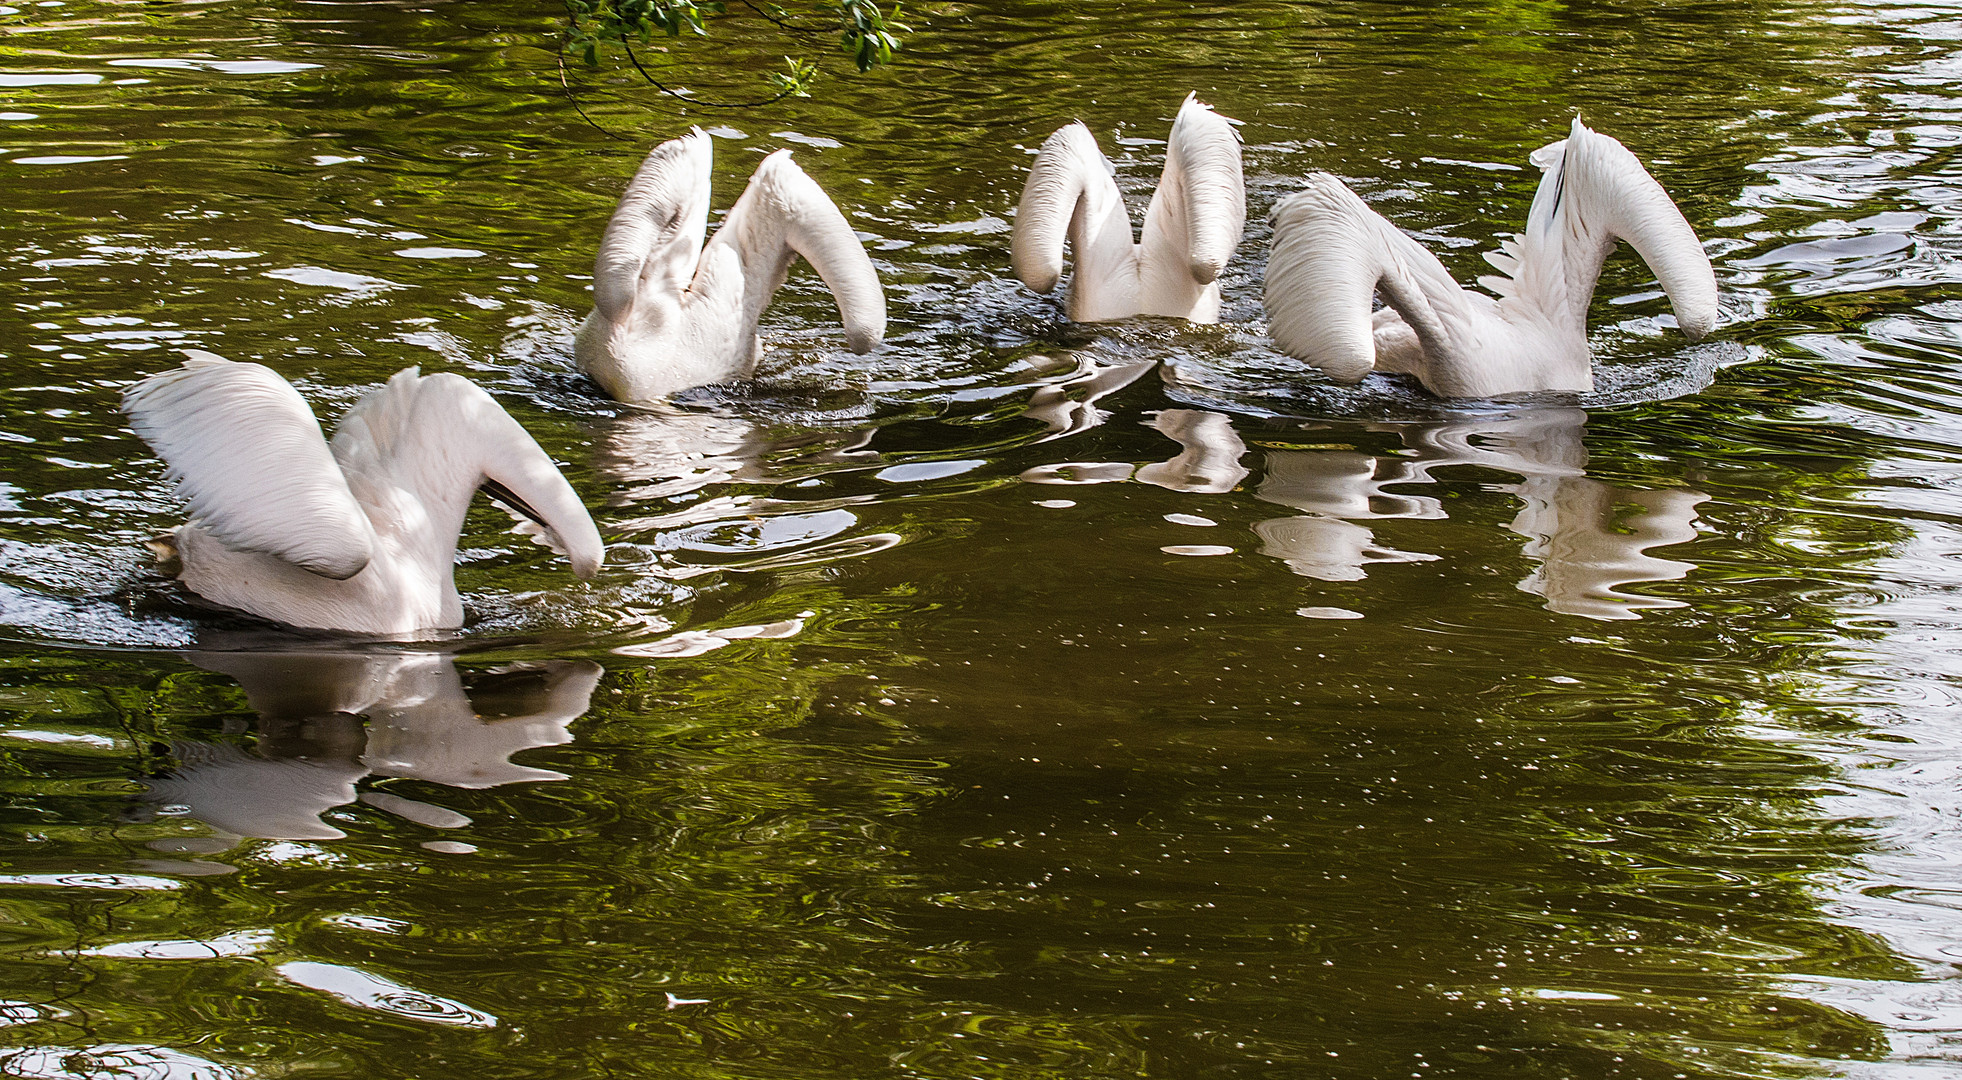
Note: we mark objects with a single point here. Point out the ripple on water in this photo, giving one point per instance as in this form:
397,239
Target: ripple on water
364,990
1197,549
136,1062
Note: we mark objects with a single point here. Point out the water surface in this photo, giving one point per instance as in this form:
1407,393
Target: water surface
1020,699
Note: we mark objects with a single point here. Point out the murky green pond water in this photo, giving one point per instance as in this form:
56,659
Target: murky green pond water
1021,699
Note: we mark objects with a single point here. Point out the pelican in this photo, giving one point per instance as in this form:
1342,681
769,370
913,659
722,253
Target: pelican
1332,253
670,312
359,535
1190,230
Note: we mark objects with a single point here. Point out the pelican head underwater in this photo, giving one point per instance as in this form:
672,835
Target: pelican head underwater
1332,253
670,312
1190,230
357,535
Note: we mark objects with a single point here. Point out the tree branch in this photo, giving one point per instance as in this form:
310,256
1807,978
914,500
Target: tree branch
574,99
658,85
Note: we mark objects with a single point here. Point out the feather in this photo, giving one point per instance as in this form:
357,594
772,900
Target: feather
1202,166
783,214
670,312
1052,197
378,428
1331,254
409,431
655,234
246,453
1191,228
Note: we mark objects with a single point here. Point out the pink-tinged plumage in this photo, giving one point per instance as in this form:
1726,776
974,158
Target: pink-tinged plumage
670,312
357,535
1191,227
1332,254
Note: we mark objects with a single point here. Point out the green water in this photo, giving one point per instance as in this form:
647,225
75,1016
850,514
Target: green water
1599,738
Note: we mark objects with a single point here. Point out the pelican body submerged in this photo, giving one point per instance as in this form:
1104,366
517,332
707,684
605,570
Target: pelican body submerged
1191,227
1332,254
357,535
670,312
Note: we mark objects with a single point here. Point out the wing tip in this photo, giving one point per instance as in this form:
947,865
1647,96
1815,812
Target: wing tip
863,339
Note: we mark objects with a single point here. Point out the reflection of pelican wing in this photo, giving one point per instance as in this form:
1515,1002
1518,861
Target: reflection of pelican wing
1070,407
310,751
1327,549
1210,461
298,685
245,795
661,451
307,745
1344,484
427,729
1530,442
1585,553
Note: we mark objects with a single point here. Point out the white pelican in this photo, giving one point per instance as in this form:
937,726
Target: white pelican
357,536
670,312
1332,252
1190,230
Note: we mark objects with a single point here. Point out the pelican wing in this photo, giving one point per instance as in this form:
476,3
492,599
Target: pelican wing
656,232
1331,255
247,455
1203,188
783,213
1593,193
383,440
1067,164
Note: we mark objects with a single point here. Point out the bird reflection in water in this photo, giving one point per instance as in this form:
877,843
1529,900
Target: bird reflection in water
661,451
1578,529
1068,406
1209,458
1337,489
422,724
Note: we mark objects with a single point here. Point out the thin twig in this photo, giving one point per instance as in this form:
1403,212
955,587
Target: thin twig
571,97
691,98
792,27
